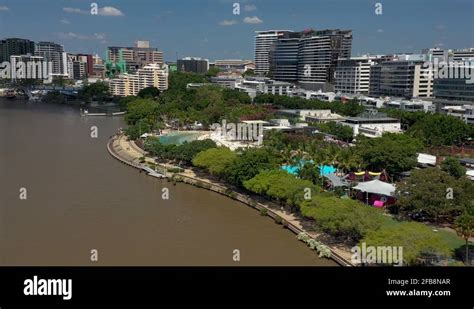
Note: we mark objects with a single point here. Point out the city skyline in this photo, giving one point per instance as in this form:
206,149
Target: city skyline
221,34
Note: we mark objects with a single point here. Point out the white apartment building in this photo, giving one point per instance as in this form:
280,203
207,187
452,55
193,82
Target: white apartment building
411,105
263,41
152,75
464,112
55,54
401,78
319,115
370,102
373,124
352,76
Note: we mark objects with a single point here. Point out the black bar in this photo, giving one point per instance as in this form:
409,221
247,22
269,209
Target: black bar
238,285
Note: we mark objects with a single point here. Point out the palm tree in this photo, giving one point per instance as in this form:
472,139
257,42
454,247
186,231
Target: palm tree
464,227
286,155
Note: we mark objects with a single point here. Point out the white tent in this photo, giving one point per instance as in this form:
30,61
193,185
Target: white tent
424,158
470,174
376,186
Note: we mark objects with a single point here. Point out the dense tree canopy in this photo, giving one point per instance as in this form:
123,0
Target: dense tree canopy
141,109
433,129
415,240
98,91
434,195
453,167
342,217
281,186
183,153
341,132
149,92
249,164
215,160
393,152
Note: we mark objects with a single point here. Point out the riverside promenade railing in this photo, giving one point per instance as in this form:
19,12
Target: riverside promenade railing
221,189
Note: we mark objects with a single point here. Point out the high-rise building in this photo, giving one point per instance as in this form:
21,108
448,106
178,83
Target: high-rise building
283,58
55,54
15,47
98,67
463,54
151,75
401,78
195,65
452,91
436,53
263,42
318,54
80,66
135,57
308,57
352,75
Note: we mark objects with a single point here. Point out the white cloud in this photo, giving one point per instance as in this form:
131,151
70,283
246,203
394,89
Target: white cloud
4,8
65,21
228,22
72,35
75,10
249,7
104,11
110,11
252,20
380,30
101,37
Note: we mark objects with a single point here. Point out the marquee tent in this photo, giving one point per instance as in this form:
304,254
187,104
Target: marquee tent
377,187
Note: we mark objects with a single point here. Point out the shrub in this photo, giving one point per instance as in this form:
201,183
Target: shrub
278,220
416,240
342,217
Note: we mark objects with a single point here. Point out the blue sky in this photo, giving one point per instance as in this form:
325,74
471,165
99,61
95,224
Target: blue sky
209,29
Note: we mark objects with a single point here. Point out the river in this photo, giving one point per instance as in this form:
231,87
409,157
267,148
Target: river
78,199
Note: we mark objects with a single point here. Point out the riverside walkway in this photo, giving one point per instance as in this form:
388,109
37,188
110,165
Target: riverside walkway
129,153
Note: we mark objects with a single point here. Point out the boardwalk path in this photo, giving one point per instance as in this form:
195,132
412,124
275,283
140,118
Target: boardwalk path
129,153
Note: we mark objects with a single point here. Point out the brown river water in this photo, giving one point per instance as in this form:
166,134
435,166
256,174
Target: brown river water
79,198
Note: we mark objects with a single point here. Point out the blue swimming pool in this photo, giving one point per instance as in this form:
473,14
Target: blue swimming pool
323,169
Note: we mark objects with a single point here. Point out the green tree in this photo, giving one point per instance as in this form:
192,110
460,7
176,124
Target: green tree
213,72
433,195
215,160
453,167
393,152
464,227
341,132
248,73
250,163
310,171
343,218
98,91
141,109
149,92
136,130
439,129
280,185
416,239
187,151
